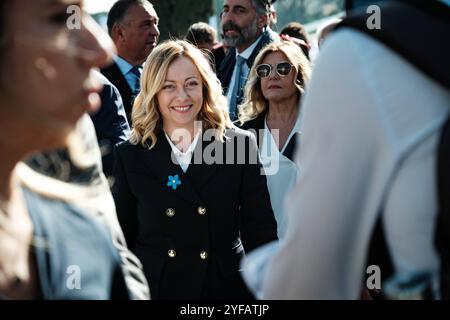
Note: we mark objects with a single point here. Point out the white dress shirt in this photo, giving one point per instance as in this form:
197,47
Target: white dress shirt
183,158
281,172
245,69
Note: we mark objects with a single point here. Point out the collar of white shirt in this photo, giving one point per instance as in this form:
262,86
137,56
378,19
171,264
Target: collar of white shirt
183,158
248,52
123,65
269,140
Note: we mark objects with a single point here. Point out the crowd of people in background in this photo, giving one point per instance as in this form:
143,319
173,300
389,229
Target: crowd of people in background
229,164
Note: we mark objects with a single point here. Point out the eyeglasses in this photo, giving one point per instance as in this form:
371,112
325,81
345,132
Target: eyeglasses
264,70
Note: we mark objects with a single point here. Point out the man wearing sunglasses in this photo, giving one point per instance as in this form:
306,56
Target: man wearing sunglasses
245,28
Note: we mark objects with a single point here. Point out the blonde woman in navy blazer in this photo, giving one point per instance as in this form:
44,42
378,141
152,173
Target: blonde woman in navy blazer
185,217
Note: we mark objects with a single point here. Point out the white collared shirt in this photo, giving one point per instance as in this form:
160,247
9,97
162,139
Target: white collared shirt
245,69
183,158
282,173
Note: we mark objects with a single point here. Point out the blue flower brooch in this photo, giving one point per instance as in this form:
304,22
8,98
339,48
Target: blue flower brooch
174,182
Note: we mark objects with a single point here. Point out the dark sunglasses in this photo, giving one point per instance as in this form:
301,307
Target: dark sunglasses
264,70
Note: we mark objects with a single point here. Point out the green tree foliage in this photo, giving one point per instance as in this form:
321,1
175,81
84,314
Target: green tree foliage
306,11
177,15
303,11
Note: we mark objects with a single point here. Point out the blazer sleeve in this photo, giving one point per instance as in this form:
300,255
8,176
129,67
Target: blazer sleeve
111,124
124,199
257,222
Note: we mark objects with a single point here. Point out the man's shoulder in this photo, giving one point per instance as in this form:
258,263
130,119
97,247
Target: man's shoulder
267,37
105,81
111,71
126,147
271,35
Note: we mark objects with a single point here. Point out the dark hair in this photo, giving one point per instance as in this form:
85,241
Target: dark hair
119,11
297,30
262,6
200,33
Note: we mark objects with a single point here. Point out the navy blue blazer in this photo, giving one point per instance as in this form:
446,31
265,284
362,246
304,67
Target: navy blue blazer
110,122
113,73
190,239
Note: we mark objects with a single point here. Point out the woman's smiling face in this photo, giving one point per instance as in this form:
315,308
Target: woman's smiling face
181,97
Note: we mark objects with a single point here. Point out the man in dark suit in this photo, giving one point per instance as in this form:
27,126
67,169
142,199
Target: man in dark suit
133,26
245,28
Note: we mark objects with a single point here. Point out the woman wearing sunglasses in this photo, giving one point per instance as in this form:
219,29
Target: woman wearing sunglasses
271,109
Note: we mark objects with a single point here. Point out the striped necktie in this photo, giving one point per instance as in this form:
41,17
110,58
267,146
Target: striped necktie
238,81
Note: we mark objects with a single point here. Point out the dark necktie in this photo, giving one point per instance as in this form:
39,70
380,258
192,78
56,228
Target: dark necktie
234,99
136,70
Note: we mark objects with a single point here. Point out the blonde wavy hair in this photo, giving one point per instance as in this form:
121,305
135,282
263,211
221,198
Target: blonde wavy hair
146,118
254,102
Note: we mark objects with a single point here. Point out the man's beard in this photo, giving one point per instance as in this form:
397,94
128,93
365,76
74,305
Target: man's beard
245,35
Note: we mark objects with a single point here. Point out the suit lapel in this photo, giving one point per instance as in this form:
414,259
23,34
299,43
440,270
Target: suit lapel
159,162
114,75
226,70
200,172
291,147
265,40
257,125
